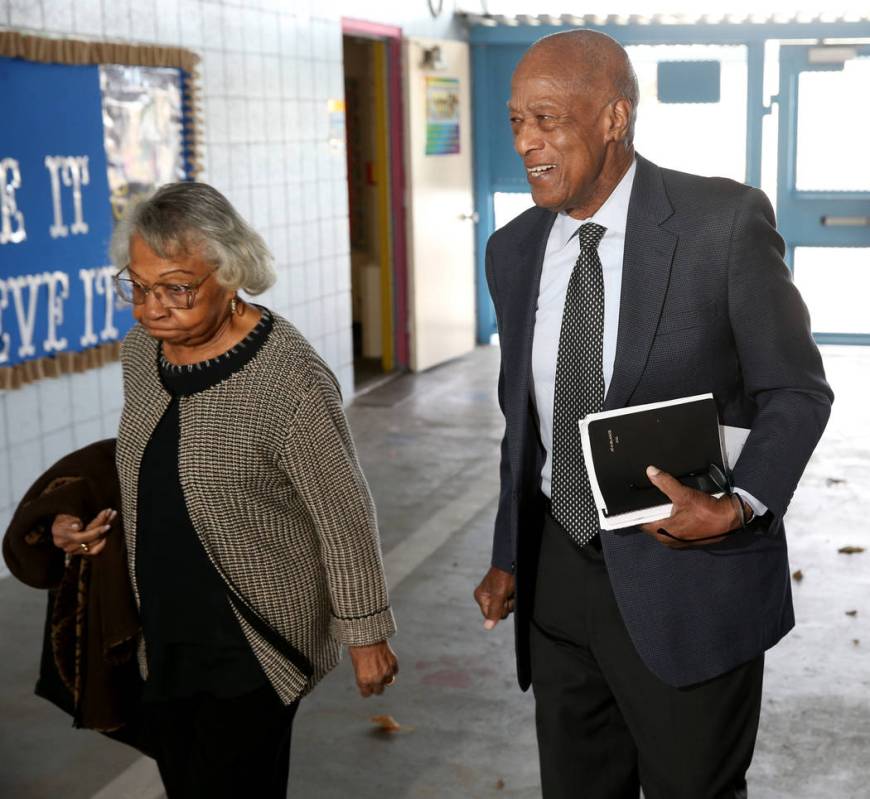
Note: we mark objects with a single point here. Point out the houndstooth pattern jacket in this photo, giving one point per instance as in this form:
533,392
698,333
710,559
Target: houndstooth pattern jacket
275,493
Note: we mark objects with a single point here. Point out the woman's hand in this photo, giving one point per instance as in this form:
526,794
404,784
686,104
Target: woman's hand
375,667
67,533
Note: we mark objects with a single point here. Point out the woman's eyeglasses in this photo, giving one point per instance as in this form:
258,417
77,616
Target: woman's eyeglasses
169,295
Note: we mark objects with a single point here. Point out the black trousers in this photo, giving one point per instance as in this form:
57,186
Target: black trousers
213,747
606,725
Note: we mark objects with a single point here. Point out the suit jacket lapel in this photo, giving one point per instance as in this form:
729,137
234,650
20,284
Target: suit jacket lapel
646,271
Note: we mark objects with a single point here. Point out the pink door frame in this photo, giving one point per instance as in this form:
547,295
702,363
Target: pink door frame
392,38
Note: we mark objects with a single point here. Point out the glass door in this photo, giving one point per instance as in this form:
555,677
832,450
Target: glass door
823,192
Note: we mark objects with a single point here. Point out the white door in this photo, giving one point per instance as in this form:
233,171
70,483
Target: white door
440,202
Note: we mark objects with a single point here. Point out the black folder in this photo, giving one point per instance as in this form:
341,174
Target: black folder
680,437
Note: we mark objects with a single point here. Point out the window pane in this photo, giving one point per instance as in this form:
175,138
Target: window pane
509,205
828,104
835,284
704,138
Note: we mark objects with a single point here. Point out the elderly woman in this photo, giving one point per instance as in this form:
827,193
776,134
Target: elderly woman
253,545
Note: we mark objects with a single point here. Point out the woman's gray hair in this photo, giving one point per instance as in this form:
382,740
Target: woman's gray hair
195,219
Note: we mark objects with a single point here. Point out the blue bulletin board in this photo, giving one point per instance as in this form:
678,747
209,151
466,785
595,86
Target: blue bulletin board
55,219
58,310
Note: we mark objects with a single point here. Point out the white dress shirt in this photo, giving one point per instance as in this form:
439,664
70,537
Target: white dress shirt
559,259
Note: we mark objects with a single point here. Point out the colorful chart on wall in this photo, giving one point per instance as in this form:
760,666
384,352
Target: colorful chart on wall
143,129
80,142
442,116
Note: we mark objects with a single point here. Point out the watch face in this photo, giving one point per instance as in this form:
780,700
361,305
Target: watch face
435,7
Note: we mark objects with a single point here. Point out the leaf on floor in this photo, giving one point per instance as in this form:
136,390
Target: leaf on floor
798,576
386,724
499,784
834,481
851,612
850,550
856,641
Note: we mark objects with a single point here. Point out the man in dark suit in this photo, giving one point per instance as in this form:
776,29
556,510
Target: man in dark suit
630,284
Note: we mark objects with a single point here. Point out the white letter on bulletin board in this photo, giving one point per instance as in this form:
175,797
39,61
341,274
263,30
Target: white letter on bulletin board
26,316
73,171
11,219
4,337
58,291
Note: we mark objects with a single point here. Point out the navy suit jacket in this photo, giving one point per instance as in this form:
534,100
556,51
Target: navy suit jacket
707,305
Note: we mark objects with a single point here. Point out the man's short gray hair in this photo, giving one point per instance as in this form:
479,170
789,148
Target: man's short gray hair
196,219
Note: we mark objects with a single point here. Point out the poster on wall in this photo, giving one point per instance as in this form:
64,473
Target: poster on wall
337,136
143,128
83,140
442,116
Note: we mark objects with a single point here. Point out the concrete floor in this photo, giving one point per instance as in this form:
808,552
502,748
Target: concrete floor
429,447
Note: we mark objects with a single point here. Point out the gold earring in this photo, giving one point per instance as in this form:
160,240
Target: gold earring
233,305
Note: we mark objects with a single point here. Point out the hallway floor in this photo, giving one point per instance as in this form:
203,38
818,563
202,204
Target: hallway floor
429,447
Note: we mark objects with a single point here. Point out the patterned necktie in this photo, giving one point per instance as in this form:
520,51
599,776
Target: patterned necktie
579,388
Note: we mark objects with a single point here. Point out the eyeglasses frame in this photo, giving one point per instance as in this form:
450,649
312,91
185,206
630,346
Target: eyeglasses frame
191,289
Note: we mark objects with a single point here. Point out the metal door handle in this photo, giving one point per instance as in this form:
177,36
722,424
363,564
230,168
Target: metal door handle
846,221
473,216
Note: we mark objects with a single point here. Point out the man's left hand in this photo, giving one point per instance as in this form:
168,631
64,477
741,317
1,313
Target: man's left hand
695,515
375,667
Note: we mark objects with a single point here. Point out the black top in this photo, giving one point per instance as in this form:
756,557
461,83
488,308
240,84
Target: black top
194,643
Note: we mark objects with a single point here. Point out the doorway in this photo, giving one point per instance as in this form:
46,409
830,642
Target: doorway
375,185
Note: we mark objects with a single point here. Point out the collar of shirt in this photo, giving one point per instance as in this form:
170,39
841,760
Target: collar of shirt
612,215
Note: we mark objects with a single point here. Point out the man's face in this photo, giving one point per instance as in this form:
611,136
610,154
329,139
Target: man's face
561,135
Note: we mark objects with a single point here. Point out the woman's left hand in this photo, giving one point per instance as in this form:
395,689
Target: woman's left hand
375,667
67,533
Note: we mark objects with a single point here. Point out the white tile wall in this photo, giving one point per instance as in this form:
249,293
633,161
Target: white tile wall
55,404
58,14
25,14
88,20
268,68
118,18
26,463
57,444
142,22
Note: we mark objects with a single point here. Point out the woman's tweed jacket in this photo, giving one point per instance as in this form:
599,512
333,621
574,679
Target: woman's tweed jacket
274,490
